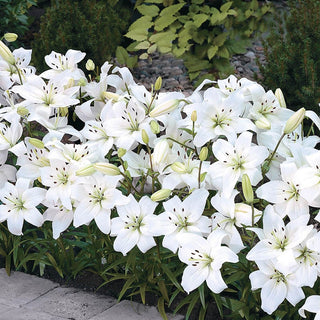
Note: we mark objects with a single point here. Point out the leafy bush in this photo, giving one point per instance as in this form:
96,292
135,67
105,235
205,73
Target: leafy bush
292,54
92,26
14,16
204,33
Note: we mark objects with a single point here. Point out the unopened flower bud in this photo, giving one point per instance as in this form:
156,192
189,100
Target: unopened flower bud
22,111
6,54
194,116
36,142
164,108
263,123
160,195
86,171
111,96
178,167
203,154
107,168
10,37
121,152
145,137
160,151
294,121
82,82
279,94
158,84
154,125
247,188
90,65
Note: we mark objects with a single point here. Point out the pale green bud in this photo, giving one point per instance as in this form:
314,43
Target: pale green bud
164,108
10,37
263,123
6,54
279,95
107,168
158,84
194,116
86,171
145,137
203,154
294,121
178,167
154,125
22,111
247,188
160,151
90,65
160,195
121,152
82,82
111,96
36,142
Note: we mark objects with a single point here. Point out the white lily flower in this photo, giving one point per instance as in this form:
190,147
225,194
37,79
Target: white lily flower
132,227
10,135
204,258
276,285
182,217
18,203
312,304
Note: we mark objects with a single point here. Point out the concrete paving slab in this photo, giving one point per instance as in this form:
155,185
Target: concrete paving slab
4,308
20,288
134,311
72,303
25,314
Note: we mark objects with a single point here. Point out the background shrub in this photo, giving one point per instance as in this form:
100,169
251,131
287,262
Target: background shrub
292,55
95,27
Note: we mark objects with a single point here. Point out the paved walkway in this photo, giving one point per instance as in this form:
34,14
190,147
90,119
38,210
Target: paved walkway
27,297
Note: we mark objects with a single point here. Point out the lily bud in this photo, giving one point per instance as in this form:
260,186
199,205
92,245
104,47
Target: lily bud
121,152
111,96
263,123
154,125
107,168
10,37
158,84
36,142
279,95
160,195
160,151
164,108
247,188
86,171
178,167
294,121
22,111
194,116
145,137
6,54
90,65
82,82
203,154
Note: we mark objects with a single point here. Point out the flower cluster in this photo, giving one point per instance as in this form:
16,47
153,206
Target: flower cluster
224,170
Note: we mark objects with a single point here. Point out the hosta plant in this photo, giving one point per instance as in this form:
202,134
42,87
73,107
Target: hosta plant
202,201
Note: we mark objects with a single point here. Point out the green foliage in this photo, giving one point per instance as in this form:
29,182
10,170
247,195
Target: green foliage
204,34
14,16
292,56
94,27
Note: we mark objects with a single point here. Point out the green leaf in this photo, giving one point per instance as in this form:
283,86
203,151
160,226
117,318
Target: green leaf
171,276
178,51
225,7
202,295
143,45
125,287
163,290
161,308
215,16
192,303
224,53
142,291
171,10
144,22
212,51
199,19
137,34
122,55
148,10
163,22
152,49
143,56
220,39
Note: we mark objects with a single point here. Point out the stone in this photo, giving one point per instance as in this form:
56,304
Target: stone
19,288
25,314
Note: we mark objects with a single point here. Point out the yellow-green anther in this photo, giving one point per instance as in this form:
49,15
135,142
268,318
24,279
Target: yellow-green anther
160,195
145,137
6,54
36,142
279,95
90,65
194,116
203,154
154,125
294,121
107,168
158,84
10,37
247,188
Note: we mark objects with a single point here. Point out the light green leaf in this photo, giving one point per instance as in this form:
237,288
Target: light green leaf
163,22
147,10
220,39
161,308
144,22
215,16
155,1
212,52
152,49
178,51
223,53
225,7
143,45
122,55
199,19
137,34
197,1
144,56
171,10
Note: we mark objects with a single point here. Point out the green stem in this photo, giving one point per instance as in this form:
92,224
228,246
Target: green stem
19,74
